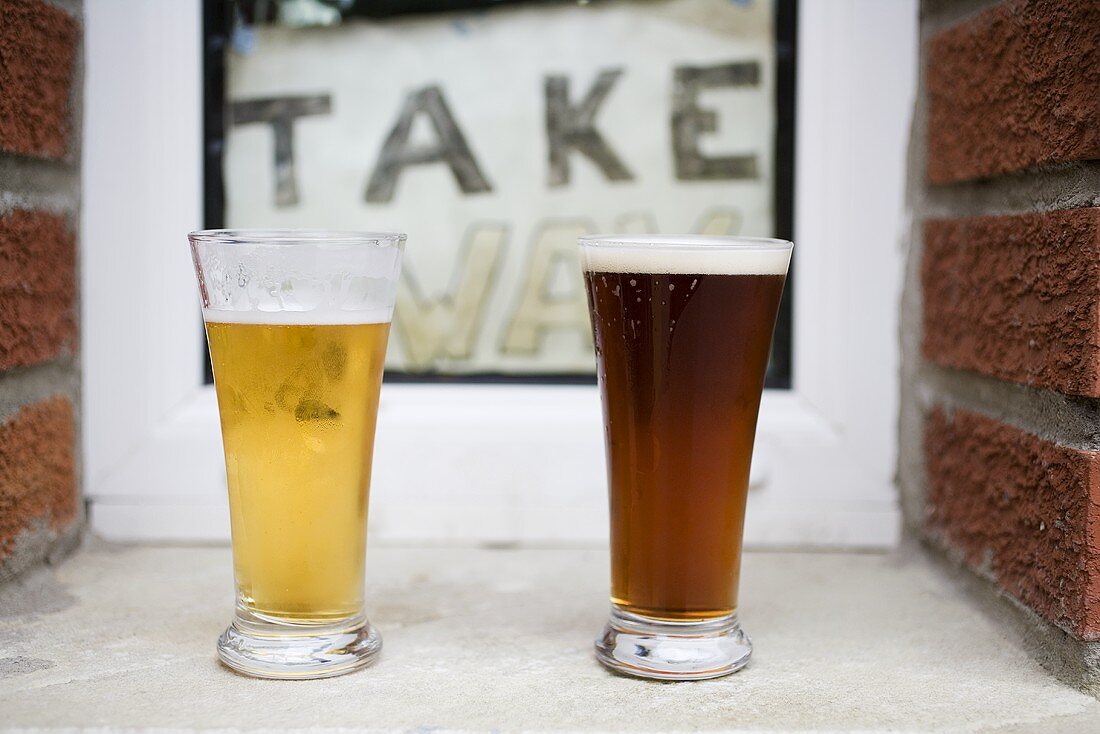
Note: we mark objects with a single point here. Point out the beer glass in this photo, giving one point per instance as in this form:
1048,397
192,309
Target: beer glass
683,328
297,323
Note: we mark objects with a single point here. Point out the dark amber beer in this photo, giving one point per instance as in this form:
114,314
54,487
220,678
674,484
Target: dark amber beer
683,330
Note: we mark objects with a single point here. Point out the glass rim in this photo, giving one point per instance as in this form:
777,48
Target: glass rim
293,237
686,242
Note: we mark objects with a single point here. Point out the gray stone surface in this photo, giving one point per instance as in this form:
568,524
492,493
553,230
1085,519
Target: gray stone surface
1075,662
480,639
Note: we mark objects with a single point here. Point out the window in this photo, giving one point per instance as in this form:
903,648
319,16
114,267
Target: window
494,138
493,462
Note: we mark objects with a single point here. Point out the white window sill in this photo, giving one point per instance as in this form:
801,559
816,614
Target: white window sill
475,639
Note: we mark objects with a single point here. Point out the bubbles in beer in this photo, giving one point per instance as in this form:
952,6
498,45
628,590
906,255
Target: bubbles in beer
333,358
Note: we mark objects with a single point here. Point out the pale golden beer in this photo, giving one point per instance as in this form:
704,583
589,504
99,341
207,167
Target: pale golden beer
298,409
297,323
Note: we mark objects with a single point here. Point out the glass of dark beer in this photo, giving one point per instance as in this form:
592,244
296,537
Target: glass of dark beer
683,327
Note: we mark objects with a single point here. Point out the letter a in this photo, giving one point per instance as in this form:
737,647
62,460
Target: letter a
539,311
450,148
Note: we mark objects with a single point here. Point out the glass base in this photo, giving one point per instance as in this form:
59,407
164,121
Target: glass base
265,648
666,650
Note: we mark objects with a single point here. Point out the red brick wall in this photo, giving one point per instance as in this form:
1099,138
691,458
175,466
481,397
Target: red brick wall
1014,87
37,56
1016,297
1023,510
1002,389
37,288
40,508
37,472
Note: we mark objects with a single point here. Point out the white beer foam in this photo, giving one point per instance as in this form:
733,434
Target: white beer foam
319,317
686,256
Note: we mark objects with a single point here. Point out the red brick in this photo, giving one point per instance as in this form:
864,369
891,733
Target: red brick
1014,87
37,470
37,53
1016,297
37,288
1021,509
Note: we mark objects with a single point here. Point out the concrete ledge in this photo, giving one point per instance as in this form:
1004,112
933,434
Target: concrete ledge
1074,661
476,639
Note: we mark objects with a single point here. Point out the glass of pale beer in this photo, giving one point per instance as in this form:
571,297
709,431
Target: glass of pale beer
297,323
683,328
